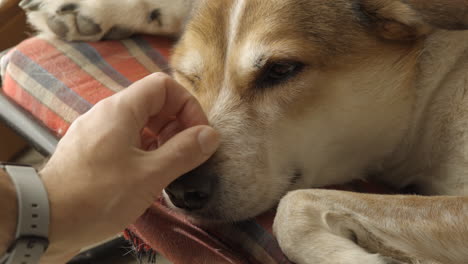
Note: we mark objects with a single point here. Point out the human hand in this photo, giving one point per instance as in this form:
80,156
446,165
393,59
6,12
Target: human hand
100,179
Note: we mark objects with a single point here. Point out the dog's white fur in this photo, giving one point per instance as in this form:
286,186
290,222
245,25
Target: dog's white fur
390,102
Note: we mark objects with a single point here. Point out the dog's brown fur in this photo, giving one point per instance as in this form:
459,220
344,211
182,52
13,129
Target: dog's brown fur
380,90
375,46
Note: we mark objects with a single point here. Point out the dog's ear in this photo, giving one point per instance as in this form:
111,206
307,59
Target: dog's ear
410,19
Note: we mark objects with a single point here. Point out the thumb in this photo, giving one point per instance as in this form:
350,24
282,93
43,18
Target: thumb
184,152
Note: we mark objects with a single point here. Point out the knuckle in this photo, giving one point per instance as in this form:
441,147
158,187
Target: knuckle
161,75
105,104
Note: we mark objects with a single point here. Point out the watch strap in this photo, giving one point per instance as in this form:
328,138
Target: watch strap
33,216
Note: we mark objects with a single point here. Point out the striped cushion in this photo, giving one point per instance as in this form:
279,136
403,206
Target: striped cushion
57,81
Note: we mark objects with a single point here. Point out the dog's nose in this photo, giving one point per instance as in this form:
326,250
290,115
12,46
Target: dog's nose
191,191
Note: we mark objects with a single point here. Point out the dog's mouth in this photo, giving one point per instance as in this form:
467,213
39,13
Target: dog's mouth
191,201
201,201
195,212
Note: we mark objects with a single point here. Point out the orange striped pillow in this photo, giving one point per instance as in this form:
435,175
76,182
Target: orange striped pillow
57,81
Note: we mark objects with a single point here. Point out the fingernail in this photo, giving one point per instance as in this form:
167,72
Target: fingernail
208,139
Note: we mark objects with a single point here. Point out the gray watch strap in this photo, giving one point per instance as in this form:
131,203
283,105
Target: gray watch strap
33,216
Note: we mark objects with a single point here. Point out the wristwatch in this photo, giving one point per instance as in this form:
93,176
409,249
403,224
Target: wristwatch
31,240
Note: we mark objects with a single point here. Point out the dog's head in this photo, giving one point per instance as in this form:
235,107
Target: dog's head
304,93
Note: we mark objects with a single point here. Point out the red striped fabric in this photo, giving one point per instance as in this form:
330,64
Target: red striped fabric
52,120
65,70
85,72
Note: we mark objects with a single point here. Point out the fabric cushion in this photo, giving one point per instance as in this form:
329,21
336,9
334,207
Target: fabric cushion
57,81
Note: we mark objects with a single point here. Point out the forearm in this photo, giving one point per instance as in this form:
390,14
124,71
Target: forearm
8,211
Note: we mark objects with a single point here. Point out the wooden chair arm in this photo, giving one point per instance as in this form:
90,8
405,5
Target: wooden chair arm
13,26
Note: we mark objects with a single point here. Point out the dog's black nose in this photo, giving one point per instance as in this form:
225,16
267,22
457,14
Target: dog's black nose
191,191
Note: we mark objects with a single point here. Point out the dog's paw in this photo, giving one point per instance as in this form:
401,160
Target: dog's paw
91,20
309,229
389,260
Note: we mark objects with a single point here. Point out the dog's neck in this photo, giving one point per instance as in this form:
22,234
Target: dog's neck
440,69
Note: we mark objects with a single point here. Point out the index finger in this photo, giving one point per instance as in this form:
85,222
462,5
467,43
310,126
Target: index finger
157,99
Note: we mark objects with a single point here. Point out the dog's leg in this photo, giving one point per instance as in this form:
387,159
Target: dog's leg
322,226
92,20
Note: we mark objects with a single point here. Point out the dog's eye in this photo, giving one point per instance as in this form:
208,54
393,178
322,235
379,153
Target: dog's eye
278,72
281,70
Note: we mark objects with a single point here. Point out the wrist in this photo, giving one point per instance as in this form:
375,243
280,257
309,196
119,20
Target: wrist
33,214
9,211
61,248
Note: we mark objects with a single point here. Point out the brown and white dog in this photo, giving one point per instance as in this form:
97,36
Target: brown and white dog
308,93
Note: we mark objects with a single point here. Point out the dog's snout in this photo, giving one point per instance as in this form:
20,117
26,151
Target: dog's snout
191,191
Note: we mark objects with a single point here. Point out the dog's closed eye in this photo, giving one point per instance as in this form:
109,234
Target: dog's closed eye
274,73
